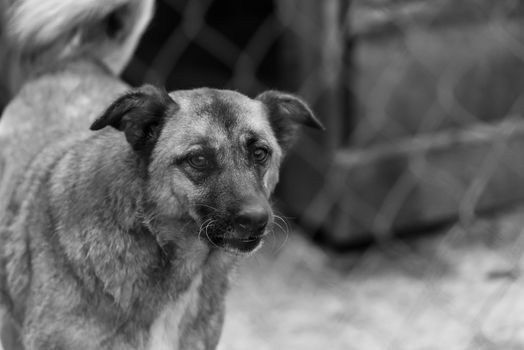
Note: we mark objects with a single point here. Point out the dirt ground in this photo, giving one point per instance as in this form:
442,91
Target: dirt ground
460,289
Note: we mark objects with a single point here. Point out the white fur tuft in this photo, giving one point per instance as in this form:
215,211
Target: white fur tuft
36,25
40,22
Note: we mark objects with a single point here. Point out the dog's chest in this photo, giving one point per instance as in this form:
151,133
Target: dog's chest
167,328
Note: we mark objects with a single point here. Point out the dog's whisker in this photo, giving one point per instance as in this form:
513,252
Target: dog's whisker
284,222
209,239
281,216
206,228
271,232
284,229
206,206
203,226
283,242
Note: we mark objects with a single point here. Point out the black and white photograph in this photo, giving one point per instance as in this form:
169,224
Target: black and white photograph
261,175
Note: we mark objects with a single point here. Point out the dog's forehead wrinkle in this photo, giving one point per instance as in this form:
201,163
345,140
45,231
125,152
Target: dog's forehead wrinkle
225,108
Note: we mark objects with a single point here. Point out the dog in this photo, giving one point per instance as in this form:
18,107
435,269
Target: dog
122,212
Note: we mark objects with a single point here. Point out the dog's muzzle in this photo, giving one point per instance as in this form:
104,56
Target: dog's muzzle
247,228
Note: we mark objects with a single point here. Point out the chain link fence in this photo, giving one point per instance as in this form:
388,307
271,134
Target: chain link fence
423,104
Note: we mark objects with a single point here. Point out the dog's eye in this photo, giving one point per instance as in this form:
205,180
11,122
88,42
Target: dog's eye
260,154
198,161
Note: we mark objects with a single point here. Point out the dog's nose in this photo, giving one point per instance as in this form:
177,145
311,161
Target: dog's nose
252,219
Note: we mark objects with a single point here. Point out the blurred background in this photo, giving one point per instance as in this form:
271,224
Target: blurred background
403,221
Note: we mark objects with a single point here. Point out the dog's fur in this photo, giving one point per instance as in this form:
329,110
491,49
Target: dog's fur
37,34
125,240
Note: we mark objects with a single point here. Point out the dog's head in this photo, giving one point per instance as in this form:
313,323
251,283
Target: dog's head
212,155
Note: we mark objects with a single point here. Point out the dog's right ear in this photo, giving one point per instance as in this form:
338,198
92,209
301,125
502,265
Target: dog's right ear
286,113
139,113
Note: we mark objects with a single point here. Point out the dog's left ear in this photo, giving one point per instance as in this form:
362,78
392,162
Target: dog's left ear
139,113
286,114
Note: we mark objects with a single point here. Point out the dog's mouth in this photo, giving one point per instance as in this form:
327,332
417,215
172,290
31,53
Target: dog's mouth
225,236
237,245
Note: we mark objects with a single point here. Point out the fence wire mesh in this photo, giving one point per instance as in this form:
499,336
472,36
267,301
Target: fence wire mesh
423,103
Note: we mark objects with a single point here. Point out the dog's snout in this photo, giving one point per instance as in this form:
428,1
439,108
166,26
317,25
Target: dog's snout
252,218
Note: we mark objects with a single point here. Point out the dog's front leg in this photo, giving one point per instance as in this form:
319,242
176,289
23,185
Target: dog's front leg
203,329
204,332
